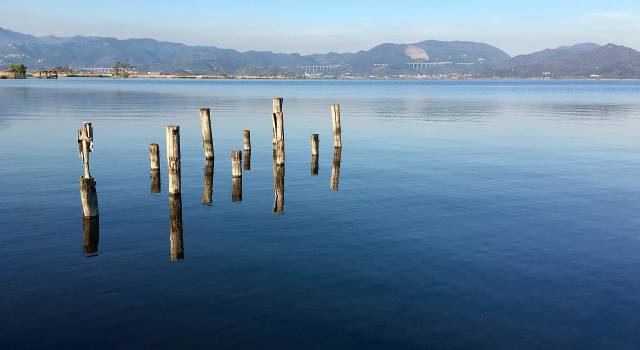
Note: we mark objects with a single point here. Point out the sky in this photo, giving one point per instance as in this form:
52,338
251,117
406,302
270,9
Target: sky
306,27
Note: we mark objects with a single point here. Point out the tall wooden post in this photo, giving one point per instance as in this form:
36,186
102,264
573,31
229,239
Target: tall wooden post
236,164
207,187
173,158
176,243
277,108
335,169
246,138
314,154
207,139
337,130
88,194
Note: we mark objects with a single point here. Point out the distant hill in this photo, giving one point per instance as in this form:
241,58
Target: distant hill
430,57
582,60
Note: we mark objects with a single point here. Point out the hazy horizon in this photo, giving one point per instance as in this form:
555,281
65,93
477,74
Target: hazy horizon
305,29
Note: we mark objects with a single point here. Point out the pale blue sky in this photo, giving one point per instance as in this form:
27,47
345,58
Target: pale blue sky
345,26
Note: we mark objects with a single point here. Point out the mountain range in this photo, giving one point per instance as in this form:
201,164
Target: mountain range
429,58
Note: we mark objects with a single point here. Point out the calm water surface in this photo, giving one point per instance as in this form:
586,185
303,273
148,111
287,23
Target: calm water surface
467,214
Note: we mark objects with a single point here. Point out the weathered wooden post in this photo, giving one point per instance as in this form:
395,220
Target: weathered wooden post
154,160
173,158
277,108
88,194
246,160
90,236
246,138
176,243
236,164
315,141
154,156
335,169
337,130
278,189
207,139
207,187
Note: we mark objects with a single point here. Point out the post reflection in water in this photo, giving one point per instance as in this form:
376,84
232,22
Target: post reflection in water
246,161
335,169
155,181
314,165
175,228
207,187
91,236
278,189
236,189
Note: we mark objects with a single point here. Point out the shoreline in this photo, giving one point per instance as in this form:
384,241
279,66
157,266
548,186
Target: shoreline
299,77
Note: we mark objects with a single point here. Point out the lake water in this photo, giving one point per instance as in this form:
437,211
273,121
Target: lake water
467,215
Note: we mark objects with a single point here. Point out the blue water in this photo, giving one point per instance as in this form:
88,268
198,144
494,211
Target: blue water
468,215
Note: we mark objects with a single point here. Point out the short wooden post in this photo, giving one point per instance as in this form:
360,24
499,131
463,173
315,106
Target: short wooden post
315,140
207,187
88,193
277,108
246,138
154,156
335,169
85,146
154,160
337,130
246,160
90,236
278,189
236,164
279,147
173,158
314,154
207,139
176,243
236,189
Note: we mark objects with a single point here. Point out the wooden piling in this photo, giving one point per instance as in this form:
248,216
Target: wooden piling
90,236
88,193
176,243
278,189
246,138
277,108
337,130
315,140
236,164
89,197
154,156
335,169
85,146
207,139
207,187
173,158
